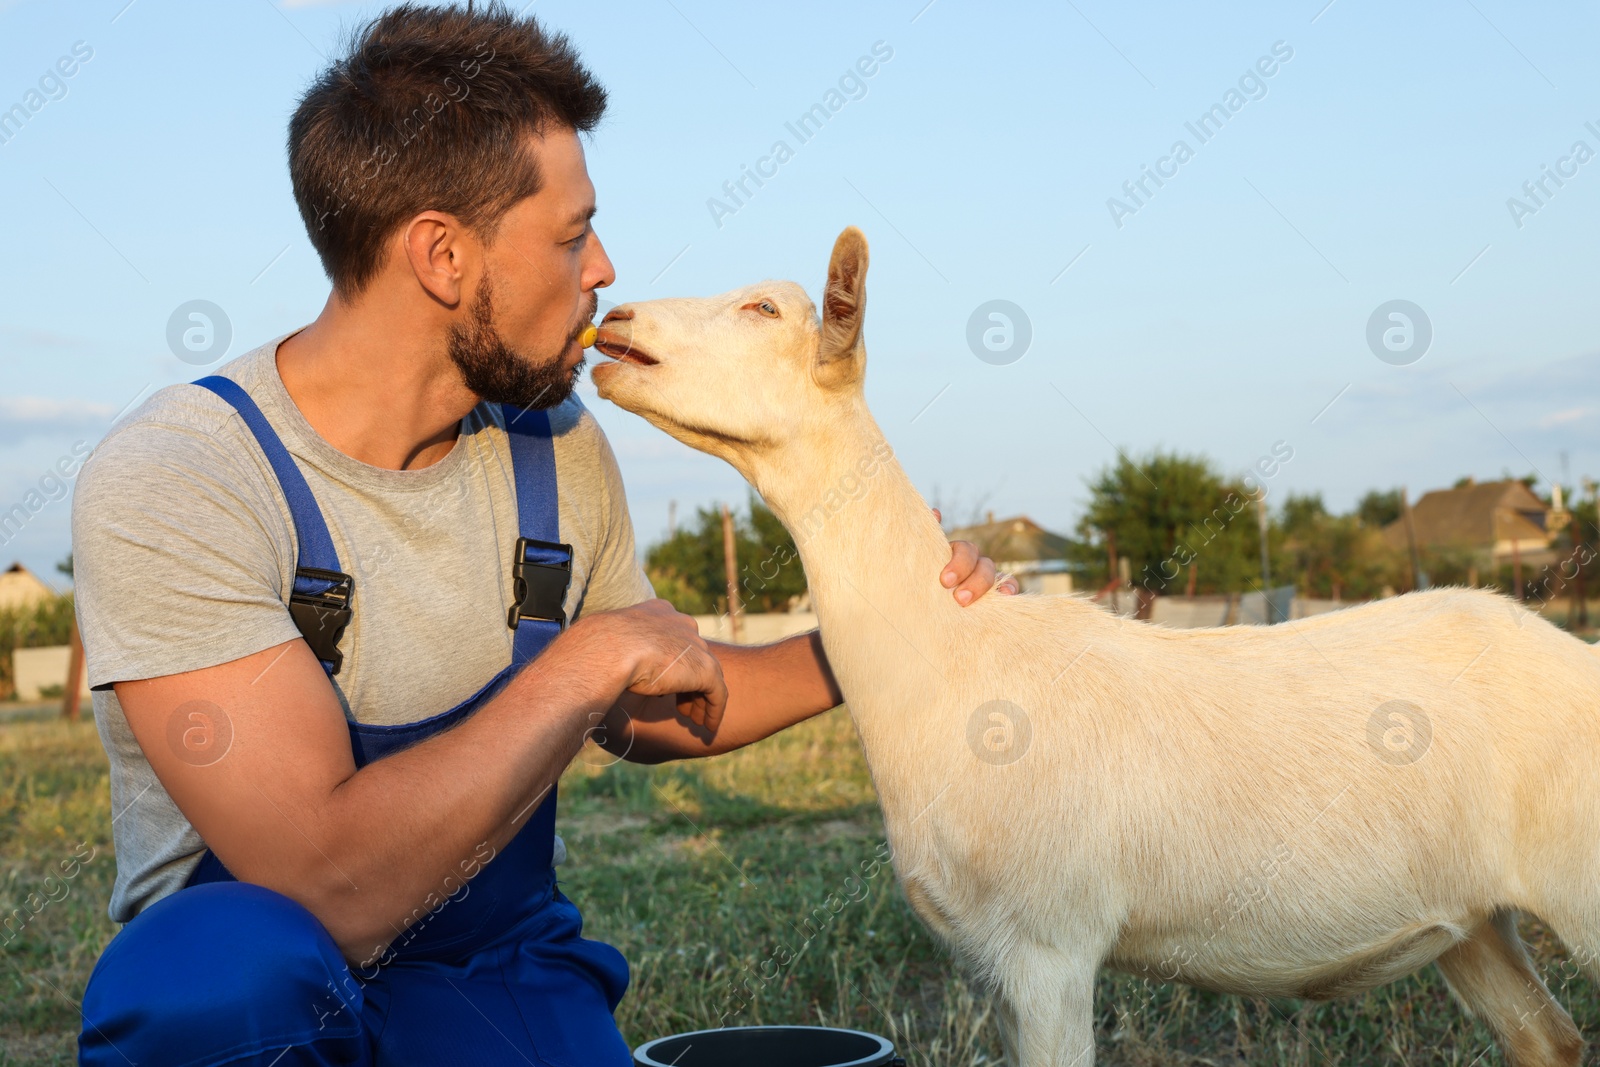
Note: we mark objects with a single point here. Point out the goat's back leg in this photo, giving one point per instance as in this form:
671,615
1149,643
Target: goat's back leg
1493,978
1049,1003
1577,923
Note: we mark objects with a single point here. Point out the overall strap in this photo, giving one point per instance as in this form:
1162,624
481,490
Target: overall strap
320,600
541,566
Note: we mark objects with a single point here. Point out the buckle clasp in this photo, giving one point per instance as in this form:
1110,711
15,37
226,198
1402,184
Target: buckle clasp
321,617
539,586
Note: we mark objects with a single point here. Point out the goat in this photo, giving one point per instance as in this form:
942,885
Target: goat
1307,810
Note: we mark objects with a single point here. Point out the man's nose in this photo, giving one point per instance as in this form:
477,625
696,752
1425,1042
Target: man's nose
601,272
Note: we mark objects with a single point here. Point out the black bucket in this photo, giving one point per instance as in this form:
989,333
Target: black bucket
769,1046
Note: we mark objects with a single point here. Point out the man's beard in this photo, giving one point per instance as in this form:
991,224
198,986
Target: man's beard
496,372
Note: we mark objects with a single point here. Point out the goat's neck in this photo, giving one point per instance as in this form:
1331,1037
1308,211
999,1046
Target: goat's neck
873,553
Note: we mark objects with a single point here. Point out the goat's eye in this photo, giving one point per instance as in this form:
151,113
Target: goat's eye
766,308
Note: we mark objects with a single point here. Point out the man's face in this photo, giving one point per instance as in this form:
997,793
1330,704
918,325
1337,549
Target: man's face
519,341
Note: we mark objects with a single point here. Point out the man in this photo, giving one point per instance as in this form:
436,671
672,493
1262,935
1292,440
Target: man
323,595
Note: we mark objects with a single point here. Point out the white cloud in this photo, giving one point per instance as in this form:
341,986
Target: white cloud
1561,418
22,417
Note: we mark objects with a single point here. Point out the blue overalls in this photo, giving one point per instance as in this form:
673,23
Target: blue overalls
228,972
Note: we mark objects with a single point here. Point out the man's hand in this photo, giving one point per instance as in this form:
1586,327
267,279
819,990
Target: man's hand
665,657
971,574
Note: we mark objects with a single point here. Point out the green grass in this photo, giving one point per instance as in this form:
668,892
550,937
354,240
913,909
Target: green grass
54,797
716,876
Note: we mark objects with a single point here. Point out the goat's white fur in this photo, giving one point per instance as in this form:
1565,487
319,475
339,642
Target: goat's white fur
1205,806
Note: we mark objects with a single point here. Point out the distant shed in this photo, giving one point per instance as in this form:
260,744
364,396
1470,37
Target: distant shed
1022,548
21,588
1496,522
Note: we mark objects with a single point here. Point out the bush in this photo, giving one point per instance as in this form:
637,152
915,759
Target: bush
688,568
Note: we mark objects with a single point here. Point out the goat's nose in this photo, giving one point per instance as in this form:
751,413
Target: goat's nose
618,314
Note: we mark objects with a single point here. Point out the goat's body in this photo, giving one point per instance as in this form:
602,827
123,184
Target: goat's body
1308,809
1223,759
1230,808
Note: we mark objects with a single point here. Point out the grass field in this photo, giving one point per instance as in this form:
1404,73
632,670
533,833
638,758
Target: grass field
743,886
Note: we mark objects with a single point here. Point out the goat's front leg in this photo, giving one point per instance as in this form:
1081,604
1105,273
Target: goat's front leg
1049,998
1008,1030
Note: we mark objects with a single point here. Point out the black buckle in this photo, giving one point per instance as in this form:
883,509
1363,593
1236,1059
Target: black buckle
322,617
539,590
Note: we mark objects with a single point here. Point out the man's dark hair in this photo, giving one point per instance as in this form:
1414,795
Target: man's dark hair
430,109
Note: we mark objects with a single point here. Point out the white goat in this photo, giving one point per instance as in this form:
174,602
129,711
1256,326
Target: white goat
1310,809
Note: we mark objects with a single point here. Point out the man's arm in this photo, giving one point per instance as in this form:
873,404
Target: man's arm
286,808
770,687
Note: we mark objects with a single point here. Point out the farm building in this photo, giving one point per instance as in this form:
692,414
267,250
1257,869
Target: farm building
21,588
1498,522
1022,548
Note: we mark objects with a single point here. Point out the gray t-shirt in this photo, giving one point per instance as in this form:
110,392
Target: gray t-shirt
185,553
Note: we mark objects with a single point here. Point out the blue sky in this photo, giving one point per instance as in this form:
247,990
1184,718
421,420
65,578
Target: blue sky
1220,312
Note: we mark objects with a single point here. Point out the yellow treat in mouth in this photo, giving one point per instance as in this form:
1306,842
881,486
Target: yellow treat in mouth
586,338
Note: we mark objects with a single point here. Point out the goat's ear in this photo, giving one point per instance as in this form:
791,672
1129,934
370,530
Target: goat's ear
841,355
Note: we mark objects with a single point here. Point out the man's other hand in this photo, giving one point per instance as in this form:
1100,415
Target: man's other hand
970,573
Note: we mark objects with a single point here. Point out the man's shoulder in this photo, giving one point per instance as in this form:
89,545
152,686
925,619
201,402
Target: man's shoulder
179,431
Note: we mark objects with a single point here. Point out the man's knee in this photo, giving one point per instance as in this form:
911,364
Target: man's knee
221,968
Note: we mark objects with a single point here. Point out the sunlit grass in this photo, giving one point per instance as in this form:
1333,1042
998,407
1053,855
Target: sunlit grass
736,888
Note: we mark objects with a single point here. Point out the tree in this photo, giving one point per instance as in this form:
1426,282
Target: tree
1303,512
1334,556
1170,512
1309,532
771,578
687,568
1378,508
1581,569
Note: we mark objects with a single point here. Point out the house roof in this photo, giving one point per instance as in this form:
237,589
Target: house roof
1476,515
1015,540
21,588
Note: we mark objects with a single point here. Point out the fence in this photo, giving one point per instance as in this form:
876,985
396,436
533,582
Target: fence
1280,604
40,625
41,672
757,629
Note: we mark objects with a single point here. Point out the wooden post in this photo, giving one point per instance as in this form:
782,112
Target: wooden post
1576,616
1411,538
1111,556
1266,567
730,562
69,703
1516,567
1580,542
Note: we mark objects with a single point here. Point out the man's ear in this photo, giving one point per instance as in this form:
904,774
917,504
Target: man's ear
841,356
433,245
